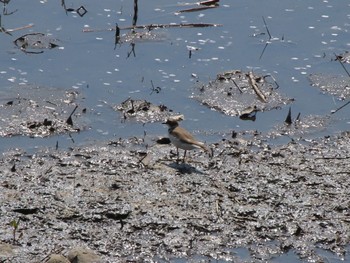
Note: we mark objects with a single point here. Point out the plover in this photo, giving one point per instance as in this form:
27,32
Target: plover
183,139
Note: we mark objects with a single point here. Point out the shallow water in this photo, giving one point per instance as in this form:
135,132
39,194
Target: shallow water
305,36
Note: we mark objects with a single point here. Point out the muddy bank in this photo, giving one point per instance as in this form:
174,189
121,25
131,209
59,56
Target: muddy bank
130,200
40,111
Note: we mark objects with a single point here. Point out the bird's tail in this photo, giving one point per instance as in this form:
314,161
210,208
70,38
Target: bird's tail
205,148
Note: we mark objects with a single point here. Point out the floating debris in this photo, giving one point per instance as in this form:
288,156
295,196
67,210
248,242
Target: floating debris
81,11
30,43
233,92
142,36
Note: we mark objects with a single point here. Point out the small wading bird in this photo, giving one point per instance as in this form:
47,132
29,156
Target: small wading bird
182,139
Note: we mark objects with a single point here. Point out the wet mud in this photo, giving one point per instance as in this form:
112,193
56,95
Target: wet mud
336,85
129,200
233,92
142,111
38,111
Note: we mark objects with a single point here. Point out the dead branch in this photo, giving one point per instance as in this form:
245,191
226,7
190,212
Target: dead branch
334,111
20,28
196,9
255,87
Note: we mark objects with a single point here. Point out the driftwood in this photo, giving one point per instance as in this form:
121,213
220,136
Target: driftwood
210,2
20,28
196,9
153,26
255,86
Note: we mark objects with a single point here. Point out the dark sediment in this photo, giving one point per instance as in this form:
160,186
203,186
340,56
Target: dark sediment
130,200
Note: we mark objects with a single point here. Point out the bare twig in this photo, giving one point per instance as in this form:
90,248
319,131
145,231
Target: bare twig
341,63
267,29
196,9
69,121
267,42
210,2
274,80
134,19
132,51
334,111
234,82
20,28
117,36
262,53
255,86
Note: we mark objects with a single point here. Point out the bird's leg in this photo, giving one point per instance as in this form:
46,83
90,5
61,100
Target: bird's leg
177,155
184,156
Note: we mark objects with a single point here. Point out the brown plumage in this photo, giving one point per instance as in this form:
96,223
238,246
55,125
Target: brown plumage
183,139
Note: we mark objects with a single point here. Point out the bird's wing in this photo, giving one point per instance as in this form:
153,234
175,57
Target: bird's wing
184,135
188,138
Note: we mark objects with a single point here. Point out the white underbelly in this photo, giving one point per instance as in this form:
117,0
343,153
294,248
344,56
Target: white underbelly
182,145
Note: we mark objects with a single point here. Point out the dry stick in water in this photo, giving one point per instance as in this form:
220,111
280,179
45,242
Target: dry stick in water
267,29
2,29
134,19
20,28
267,42
210,2
69,121
255,86
117,36
341,63
234,82
289,117
196,9
334,111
